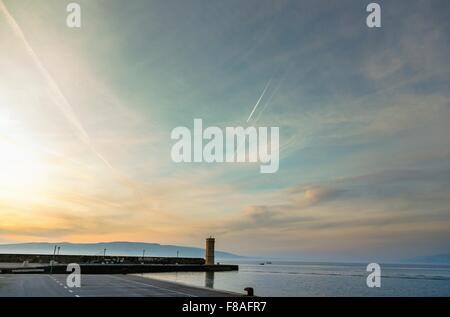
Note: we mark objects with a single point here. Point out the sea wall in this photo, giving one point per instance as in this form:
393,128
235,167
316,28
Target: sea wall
91,259
120,268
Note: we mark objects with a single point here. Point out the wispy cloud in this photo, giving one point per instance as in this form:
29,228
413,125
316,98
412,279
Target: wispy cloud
57,96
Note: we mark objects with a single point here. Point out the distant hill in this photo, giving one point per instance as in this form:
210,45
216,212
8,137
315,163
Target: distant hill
431,259
112,248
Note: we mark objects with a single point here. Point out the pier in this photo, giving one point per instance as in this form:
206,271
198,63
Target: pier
46,285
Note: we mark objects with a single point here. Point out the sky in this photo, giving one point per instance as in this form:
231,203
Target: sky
86,116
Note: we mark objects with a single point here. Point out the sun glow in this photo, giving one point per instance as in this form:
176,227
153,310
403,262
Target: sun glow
20,164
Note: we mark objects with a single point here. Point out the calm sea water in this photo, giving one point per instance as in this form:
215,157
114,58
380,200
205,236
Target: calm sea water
321,279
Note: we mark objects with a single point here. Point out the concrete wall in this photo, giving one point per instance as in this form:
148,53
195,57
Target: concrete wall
46,258
121,269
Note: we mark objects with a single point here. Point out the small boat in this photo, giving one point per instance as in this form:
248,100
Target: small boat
268,262
262,263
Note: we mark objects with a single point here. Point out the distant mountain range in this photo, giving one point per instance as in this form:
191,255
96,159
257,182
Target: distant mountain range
431,259
112,248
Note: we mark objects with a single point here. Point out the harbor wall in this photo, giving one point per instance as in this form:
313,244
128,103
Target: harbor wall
95,259
120,268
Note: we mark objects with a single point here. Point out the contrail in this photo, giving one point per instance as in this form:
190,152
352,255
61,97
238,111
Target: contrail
259,100
55,92
267,102
275,90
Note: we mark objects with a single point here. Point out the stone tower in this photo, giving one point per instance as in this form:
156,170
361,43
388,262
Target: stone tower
209,251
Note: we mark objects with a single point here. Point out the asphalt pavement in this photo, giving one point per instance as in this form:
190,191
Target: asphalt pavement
45,285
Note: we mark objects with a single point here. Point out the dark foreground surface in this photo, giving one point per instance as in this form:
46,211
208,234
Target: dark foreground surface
44,285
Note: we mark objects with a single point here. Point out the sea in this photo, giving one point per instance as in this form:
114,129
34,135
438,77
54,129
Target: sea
292,279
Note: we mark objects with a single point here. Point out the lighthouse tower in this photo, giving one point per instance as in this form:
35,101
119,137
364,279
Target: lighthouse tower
209,251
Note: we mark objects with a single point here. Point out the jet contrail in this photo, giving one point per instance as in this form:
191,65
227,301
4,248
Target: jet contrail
274,91
259,100
55,92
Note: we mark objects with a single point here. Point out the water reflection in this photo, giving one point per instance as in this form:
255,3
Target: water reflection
209,279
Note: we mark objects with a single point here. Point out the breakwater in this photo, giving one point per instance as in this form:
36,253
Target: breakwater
95,259
49,264
120,268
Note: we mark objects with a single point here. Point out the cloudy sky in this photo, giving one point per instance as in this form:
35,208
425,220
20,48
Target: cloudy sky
86,116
